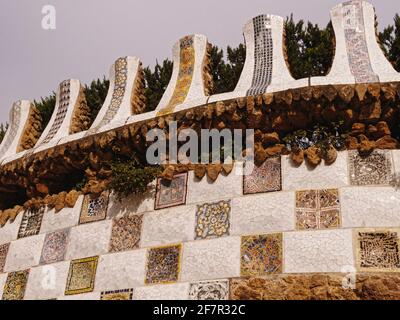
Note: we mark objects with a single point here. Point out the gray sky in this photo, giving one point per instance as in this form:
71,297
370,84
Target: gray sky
91,34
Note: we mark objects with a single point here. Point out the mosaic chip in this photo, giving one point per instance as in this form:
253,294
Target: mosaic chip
261,255
125,233
375,169
54,247
212,220
81,276
170,194
3,255
209,290
356,43
94,208
265,178
126,294
15,286
318,209
378,250
31,223
163,264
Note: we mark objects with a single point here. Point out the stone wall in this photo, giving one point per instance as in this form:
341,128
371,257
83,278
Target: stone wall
281,233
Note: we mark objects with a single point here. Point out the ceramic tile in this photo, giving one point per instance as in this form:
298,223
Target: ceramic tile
265,178
213,220
54,247
81,276
94,208
163,264
3,255
170,194
126,294
15,286
126,233
209,290
31,223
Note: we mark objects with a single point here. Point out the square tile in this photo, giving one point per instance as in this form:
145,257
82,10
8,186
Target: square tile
81,276
125,233
265,178
209,290
54,247
94,208
15,286
318,209
163,264
171,193
3,255
375,169
378,250
213,220
261,255
126,294
31,223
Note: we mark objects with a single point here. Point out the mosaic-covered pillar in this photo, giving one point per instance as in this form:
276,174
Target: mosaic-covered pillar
70,115
125,95
358,56
265,69
190,78
20,115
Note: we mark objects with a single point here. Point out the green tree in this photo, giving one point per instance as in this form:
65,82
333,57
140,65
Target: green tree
157,82
95,94
3,130
46,108
390,39
310,49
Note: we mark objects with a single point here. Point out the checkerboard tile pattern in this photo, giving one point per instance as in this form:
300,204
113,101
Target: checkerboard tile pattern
94,208
261,255
171,193
318,209
375,169
15,286
213,220
54,247
81,276
126,294
163,264
31,223
378,250
209,290
265,178
125,233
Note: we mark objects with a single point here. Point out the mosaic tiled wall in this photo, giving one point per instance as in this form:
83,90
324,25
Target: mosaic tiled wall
64,100
263,55
121,77
356,43
193,239
15,119
185,76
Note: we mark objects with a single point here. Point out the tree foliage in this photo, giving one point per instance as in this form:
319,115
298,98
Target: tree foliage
95,94
390,39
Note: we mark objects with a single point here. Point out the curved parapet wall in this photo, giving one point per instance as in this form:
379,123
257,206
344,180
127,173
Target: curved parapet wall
358,56
70,114
15,139
265,69
125,95
188,85
298,230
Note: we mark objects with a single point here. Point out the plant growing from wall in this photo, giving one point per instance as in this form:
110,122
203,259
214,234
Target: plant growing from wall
130,177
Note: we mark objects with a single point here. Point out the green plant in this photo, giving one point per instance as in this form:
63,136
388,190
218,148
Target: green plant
129,177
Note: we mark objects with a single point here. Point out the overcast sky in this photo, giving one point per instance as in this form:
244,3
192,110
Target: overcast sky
91,34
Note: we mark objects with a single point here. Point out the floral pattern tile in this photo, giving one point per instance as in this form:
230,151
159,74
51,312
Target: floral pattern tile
261,255
209,290
15,286
94,208
31,223
163,264
213,220
125,233
3,255
375,169
81,276
318,209
126,294
54,247
171,193
378,250
265,178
